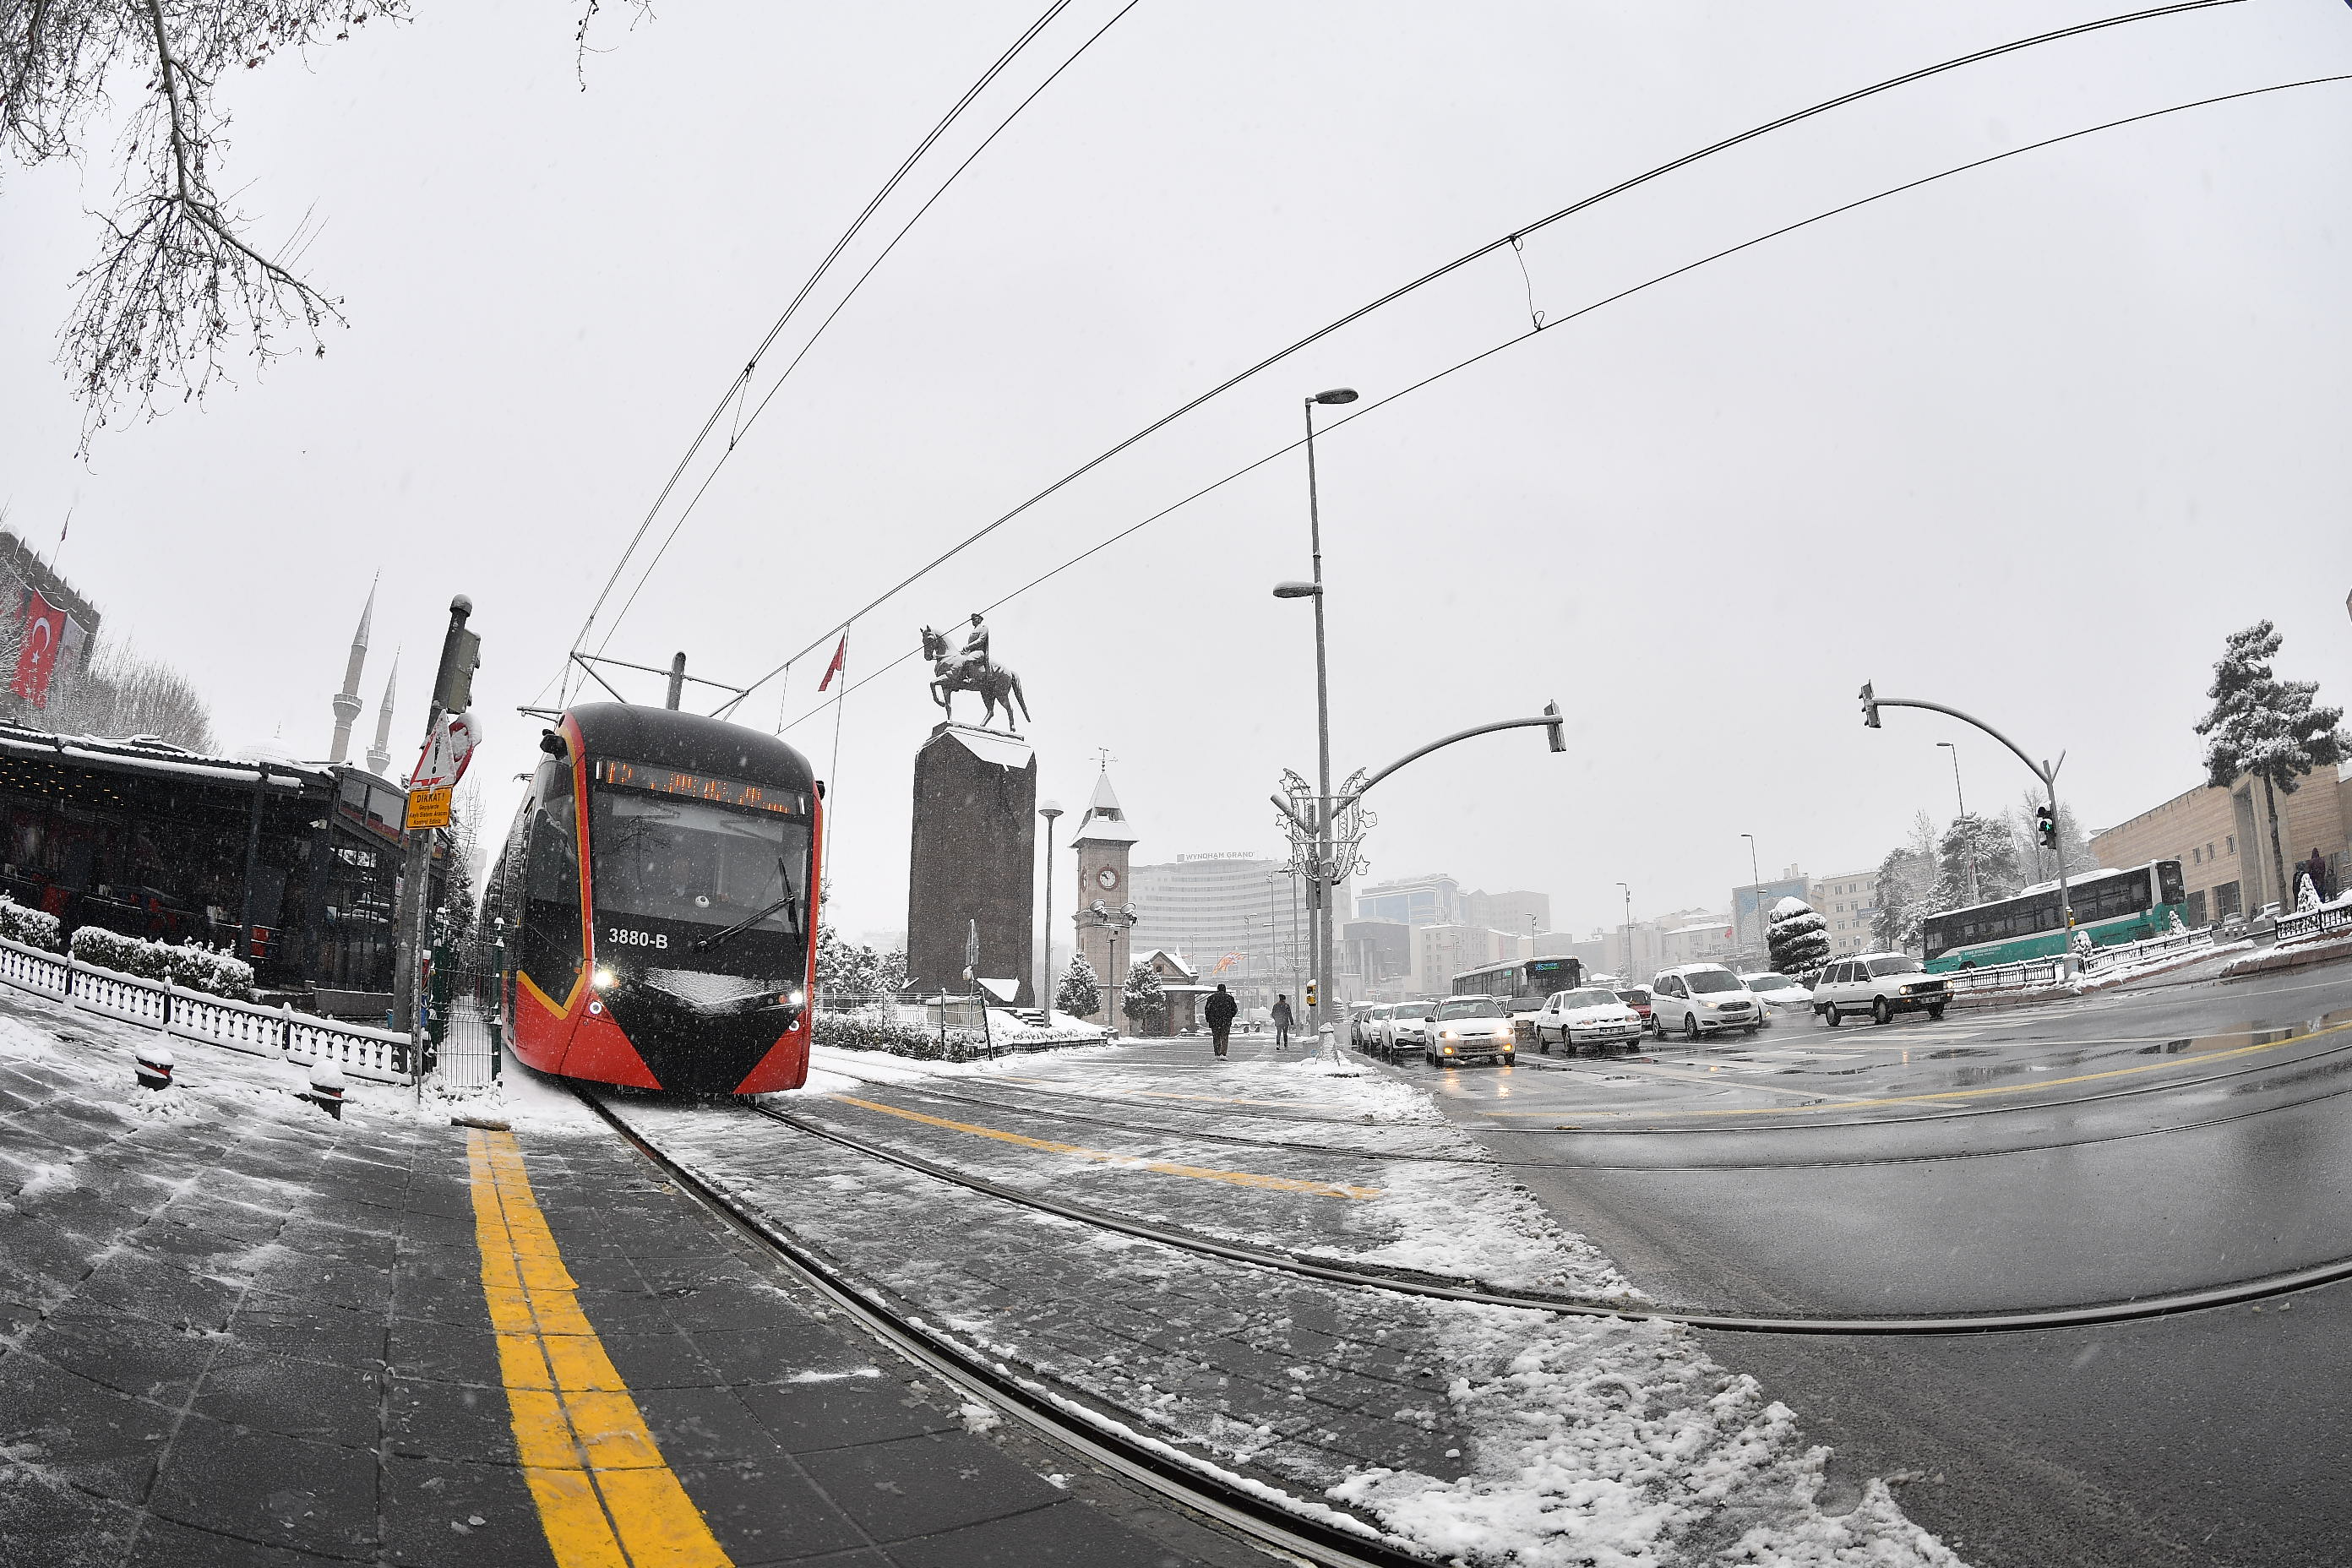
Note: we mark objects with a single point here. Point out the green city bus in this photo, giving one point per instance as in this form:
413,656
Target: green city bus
2124,905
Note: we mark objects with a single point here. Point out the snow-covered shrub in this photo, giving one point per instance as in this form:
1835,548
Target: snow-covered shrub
858,1032
2307,896
104,949
31,928
196,967
1798,938
191,966
1080,993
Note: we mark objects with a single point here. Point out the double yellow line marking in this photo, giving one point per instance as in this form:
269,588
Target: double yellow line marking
1164,1167
607,1498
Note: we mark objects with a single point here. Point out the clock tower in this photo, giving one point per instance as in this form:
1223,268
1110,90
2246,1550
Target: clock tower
1103,843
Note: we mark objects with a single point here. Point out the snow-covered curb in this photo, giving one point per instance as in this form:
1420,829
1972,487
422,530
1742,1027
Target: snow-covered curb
2293,955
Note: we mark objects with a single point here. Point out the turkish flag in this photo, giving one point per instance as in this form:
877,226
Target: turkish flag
36,657
840,662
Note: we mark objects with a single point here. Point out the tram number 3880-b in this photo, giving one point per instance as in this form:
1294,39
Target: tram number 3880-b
658,896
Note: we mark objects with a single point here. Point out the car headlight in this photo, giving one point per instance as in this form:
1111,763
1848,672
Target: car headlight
1444,1034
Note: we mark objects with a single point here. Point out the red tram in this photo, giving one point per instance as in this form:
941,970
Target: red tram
658,896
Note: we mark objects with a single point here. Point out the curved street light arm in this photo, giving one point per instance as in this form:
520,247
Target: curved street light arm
1551,719
2046,772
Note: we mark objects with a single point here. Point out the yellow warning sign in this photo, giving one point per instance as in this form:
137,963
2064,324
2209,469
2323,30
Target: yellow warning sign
429,807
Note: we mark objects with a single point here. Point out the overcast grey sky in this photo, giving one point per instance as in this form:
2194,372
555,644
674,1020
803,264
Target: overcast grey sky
2030,441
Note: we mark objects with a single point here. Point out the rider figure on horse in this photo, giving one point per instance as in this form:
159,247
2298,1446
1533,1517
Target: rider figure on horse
974,662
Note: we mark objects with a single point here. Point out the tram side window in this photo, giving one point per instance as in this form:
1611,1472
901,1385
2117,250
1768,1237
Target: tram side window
551,940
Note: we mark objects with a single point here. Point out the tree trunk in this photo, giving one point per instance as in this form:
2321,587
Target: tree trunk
2278,857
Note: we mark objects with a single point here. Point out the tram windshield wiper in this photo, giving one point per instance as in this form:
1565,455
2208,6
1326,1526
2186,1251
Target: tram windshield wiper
787,904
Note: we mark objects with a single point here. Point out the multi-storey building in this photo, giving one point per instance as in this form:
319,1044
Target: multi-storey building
1230,915
1522,912
1440,953
2223,839
1849,902
1431,900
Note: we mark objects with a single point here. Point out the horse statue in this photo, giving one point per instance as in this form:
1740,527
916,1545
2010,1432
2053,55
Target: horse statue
953,672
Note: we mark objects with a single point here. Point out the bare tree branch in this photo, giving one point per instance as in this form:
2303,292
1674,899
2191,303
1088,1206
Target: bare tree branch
178,286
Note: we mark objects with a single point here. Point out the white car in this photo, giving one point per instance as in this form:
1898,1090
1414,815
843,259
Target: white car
1364,1032
1881,984
1702,999
1783,995
1461,1028
1593,1016
1406,1028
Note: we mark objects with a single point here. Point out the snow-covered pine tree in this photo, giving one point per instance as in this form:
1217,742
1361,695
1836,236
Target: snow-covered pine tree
1799,937
1905,877
1995,853
2266,727
1080,993
1145,999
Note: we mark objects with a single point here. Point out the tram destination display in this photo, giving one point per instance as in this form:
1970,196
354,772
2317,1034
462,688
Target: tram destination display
700,786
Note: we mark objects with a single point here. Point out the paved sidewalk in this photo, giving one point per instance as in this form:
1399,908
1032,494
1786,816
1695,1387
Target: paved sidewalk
232,1332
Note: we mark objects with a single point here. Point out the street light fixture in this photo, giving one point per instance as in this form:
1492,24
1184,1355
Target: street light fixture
1049,810
2046,772
1627,929
1319,908
1755,884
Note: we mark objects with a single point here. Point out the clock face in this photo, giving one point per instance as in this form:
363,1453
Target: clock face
1106,878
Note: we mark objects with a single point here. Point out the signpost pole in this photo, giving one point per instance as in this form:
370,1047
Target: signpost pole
429,808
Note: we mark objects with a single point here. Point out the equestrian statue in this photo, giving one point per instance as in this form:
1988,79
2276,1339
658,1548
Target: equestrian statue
969,668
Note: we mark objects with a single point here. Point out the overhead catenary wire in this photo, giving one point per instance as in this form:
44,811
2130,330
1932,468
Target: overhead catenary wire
1514,237
843,303
732,396
1549,325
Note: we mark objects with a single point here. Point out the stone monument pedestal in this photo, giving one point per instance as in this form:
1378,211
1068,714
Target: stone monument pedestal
974,850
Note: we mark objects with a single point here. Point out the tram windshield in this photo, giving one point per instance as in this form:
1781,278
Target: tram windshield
668,857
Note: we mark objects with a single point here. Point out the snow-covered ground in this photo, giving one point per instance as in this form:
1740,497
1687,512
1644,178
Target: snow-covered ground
1492,1435
1566,1440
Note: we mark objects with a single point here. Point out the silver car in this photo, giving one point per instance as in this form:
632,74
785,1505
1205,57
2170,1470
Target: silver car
1783,995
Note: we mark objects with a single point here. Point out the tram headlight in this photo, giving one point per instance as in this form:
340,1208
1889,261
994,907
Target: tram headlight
795,997
603,978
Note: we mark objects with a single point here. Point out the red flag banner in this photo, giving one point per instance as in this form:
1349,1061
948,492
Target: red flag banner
840,662
37,659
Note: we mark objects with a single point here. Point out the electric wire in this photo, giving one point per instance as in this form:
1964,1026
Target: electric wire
735,387
839,306
1683,162
1376,404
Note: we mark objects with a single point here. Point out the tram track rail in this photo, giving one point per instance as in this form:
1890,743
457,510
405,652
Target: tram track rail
1499,1162
1437,1286
1262,1515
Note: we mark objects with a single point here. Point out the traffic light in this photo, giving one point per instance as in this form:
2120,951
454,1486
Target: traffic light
1552,732
1311,994
2045,826
1869,707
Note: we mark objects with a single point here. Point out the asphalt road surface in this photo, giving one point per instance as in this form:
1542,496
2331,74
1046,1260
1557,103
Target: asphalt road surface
2116,1147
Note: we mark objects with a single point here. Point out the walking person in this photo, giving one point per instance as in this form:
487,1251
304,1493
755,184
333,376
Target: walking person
1219,1011
1282,1017
2316,869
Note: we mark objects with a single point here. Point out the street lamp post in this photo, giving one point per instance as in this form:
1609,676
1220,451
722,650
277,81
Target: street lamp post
1755,885
1976,894
1319,908
1050,810
1627,929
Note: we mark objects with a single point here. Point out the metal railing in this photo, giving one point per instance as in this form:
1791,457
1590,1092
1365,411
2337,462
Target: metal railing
378,1056
2029,973
2328,919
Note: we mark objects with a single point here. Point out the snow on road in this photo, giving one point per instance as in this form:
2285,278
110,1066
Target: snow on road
1611,1442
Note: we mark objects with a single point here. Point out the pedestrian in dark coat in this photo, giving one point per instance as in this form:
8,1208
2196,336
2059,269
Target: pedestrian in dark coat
2316,869
1282,1017
1219,1011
